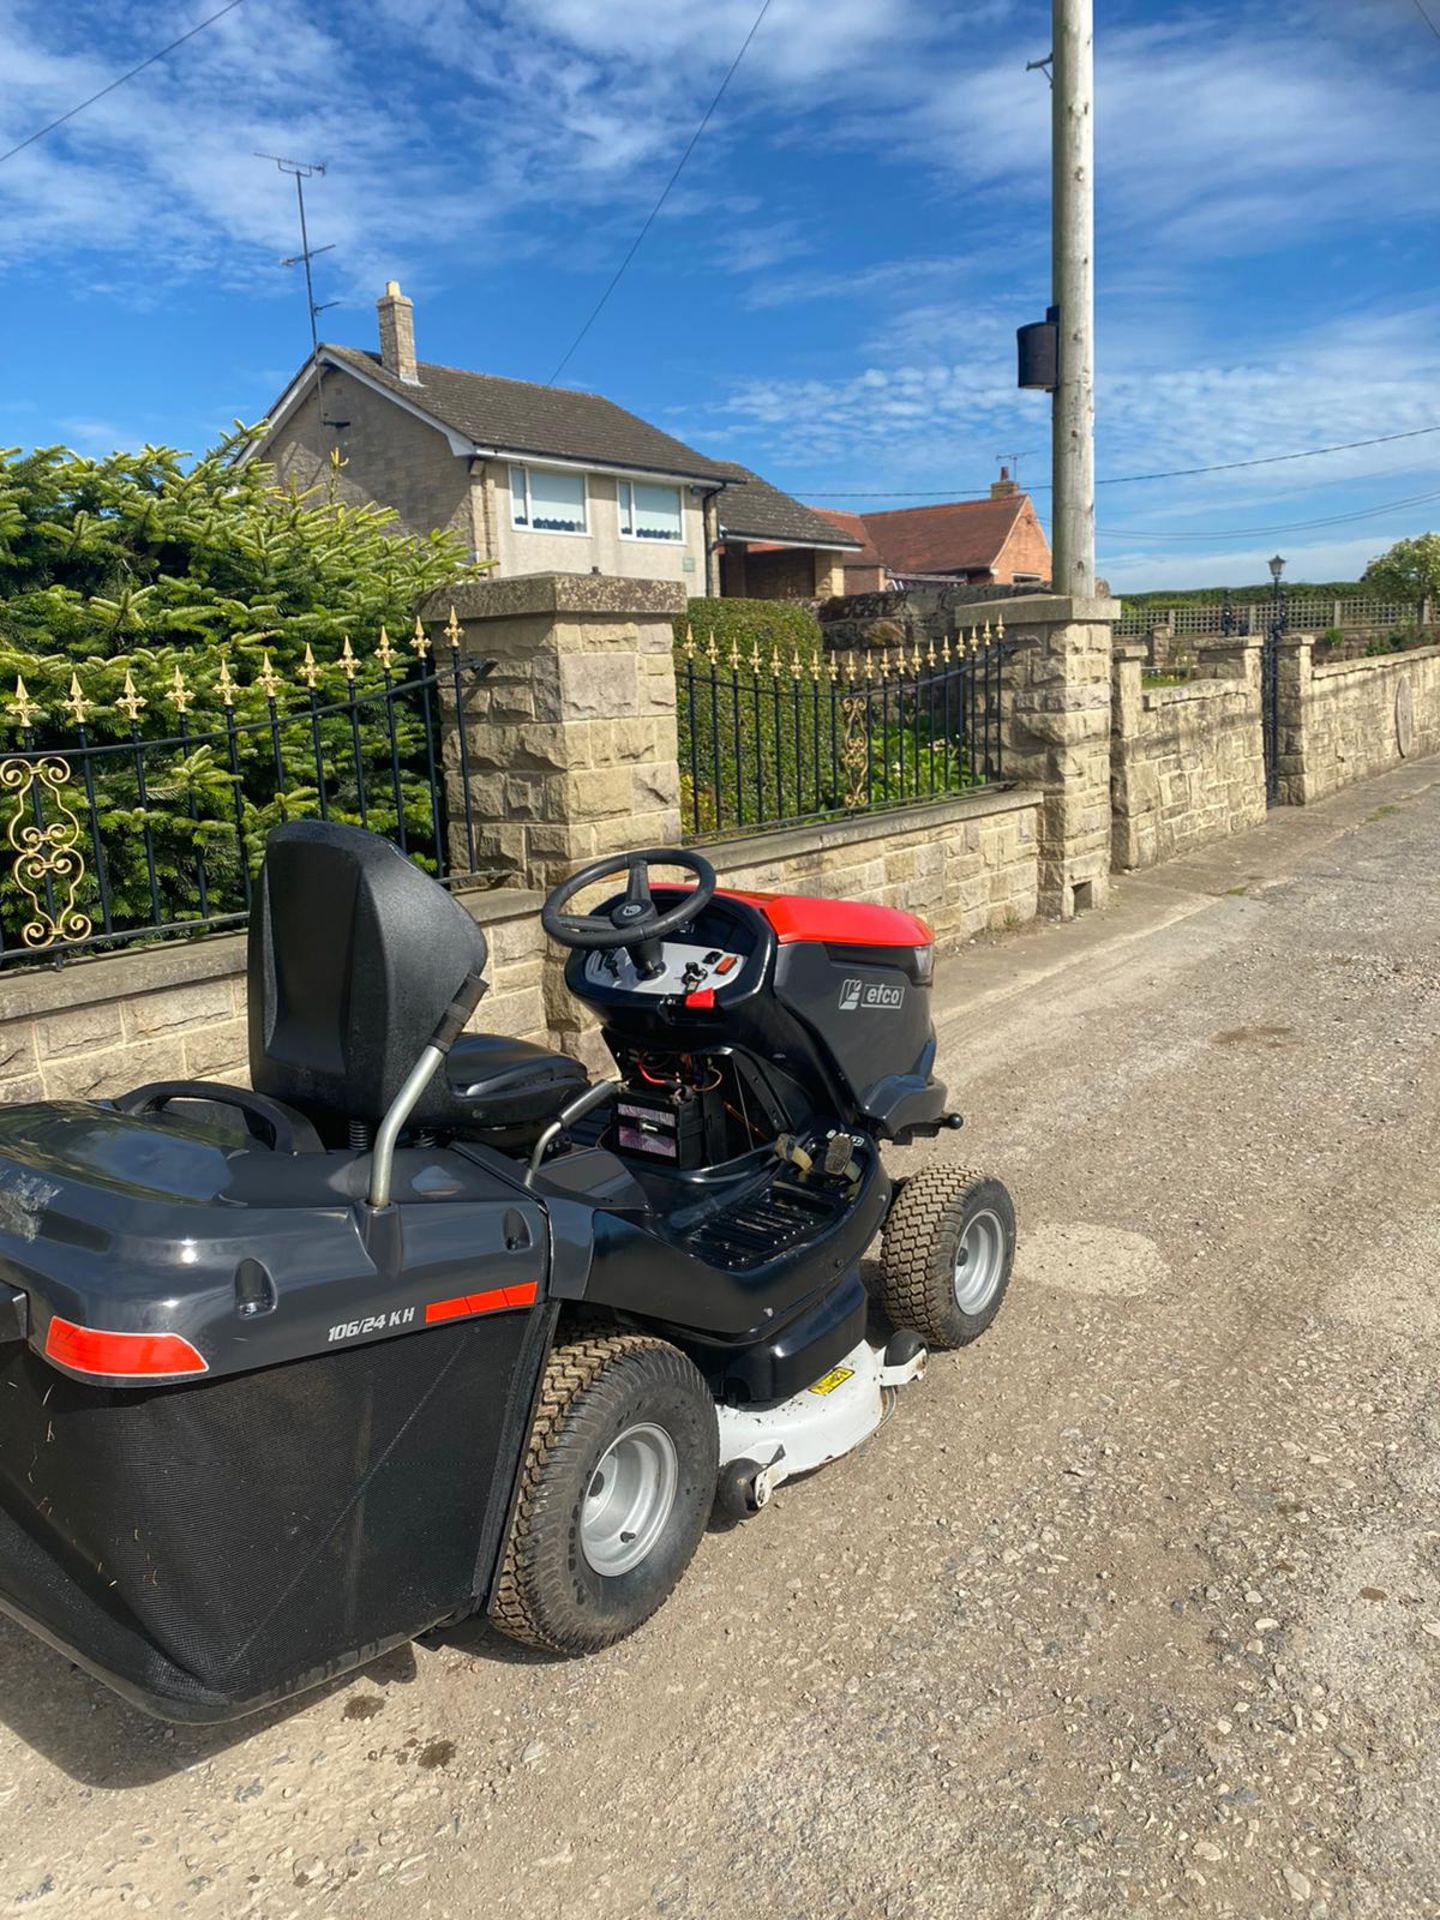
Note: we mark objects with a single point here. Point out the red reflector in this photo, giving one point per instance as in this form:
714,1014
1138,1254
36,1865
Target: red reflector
704,998
120,1356
495,1301
446,1310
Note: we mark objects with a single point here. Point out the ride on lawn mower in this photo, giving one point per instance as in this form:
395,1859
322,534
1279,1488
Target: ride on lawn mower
425,1323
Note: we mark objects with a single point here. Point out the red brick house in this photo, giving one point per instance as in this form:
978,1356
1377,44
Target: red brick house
988,543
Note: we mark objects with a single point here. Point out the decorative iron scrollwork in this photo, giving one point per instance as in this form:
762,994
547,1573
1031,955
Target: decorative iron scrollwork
855,749
47,850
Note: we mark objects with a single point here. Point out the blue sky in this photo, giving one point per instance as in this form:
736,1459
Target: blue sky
830,294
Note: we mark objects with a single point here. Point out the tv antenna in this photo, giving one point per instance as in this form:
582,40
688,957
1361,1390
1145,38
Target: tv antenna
1013,461
300,171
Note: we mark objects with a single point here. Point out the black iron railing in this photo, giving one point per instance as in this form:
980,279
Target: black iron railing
777,742
131,824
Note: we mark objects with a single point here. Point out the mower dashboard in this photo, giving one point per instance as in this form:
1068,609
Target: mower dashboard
684,968
704,958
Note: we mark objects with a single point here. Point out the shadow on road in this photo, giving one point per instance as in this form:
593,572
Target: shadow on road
100,1740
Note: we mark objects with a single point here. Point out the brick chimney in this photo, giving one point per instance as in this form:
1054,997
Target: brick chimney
397,334
1002,489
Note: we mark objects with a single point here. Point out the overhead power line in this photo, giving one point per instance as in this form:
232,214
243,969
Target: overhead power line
1128,479
41,132
654,212
1293,526
1420,9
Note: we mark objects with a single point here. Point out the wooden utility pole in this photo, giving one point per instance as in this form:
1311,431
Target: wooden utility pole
1072,162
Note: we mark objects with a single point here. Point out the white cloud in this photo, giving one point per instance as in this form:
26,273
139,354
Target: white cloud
1217,129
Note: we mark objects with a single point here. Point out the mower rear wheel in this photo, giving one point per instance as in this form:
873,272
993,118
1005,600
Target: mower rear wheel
946,1257
615,1492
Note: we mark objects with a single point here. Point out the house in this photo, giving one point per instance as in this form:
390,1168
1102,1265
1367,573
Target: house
988,543
537,479
772,548
864,570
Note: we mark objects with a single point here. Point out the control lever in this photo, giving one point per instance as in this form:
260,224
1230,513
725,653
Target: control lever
572,1111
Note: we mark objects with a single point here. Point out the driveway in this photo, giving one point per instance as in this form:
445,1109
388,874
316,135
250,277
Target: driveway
1134,1607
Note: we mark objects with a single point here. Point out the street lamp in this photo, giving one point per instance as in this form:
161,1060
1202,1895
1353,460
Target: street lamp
1277,614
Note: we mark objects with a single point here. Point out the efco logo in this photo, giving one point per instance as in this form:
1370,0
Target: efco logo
855,993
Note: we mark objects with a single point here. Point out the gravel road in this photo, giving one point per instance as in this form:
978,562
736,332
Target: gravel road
1134,1607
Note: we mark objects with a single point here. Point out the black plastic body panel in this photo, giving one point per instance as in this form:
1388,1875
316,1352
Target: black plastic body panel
129,1226
643,1264
793,1355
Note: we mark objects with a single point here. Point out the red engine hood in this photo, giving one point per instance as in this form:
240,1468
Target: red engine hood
844,923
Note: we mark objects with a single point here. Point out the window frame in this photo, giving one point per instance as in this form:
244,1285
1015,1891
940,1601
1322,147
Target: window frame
524,469
679,539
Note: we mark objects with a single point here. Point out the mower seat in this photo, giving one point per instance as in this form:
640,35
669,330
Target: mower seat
507,1083
354,956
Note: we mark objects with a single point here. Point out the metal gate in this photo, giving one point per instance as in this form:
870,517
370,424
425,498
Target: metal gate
1270,707
1269,684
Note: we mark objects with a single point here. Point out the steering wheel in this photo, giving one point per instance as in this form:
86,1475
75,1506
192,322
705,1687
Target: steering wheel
634,922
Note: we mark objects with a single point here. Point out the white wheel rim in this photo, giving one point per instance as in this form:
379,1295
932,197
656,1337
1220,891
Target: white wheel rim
979,1262
628,1500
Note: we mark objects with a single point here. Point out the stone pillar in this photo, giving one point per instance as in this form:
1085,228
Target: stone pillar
1293,662
569,742
1057,721
1232,656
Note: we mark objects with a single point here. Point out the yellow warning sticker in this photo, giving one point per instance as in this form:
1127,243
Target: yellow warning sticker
836,1377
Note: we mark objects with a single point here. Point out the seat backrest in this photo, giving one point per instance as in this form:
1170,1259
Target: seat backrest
354,956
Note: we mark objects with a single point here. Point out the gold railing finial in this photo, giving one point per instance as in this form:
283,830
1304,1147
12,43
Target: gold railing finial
307,670
419,640
226,685
349,665
268,681
77,706
454,632
179,697
384,652
130,702
22,706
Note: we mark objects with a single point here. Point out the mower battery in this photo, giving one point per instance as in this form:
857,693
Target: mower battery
684,1129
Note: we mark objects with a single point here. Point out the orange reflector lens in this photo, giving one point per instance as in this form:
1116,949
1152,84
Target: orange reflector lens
120,1356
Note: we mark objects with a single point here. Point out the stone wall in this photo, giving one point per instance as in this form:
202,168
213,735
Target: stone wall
1187,762
915,616
1347,719
967,864
97,1027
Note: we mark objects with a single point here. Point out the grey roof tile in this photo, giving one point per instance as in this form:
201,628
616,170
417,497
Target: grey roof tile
520,417
758,511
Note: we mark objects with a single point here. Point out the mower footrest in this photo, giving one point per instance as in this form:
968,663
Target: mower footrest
764,1224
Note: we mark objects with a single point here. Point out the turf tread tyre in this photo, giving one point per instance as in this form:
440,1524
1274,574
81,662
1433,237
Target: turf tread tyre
917,1264
528,1602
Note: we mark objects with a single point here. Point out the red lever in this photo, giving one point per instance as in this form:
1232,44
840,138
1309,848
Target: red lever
704,999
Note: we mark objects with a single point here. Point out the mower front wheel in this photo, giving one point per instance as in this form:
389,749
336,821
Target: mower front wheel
615,1491
946,1257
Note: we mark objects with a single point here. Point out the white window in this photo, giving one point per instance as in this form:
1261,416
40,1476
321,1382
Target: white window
650,513
547,501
